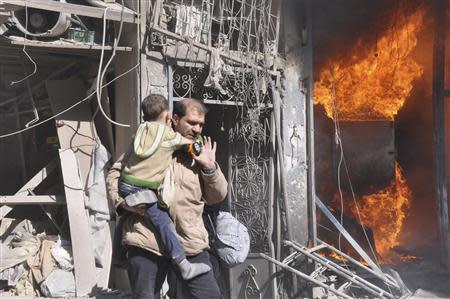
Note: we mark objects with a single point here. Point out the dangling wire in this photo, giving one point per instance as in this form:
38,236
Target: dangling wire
342,160
35,112
24,50
69,108
101,73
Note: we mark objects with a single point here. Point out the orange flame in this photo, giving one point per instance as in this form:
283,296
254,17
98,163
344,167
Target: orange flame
338,257
385,212
409,257
373,87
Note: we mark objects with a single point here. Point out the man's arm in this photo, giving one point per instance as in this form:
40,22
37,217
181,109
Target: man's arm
174,139
112,186
215,186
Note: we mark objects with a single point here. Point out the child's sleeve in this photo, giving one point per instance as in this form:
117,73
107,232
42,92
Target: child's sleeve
175,140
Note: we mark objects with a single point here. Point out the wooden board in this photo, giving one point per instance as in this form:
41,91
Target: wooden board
30,185
77,133
81,10
32,200
74,127
82,248
76,138
65,44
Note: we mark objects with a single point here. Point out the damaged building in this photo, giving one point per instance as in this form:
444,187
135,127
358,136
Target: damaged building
332,122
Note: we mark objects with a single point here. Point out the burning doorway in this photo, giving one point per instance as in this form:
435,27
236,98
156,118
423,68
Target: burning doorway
374,127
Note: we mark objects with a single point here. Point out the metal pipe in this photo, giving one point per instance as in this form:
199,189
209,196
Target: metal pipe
306,277
371,288
386,278
271,204
280,153
347,236
170,88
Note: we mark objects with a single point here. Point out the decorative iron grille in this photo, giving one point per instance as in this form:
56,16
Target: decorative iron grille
250,177
249,26
249,198
247,89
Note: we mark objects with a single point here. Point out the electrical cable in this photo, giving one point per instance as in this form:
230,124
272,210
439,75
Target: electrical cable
338,140
33,104
99,80
101,73
71,107
358,212
24,51
342,160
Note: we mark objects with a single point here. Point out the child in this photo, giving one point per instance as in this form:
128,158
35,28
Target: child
149,159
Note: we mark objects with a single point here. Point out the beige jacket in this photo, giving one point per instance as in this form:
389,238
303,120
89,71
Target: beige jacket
151,154
191,184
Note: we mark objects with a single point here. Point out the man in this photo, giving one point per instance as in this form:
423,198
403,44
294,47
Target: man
194,181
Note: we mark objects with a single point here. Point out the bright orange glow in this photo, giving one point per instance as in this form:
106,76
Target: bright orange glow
410,258
338,257
384,212
373,85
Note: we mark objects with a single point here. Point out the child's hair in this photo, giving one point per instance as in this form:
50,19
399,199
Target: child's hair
153,105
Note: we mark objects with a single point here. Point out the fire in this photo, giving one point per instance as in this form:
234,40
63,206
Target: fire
384,212
334,256
373,85
411,258
338,257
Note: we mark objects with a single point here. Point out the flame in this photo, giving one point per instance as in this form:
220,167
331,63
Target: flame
334,256
409,257
385,212
373,87
338,257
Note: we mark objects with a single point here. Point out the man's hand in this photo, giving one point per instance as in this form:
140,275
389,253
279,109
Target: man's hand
126,207
207,158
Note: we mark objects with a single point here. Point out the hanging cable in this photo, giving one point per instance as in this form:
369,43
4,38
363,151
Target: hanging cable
35,112
71,107
100,73
342,160
99,81
338,141
24,50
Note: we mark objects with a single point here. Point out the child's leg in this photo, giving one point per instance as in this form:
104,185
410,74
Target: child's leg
164,225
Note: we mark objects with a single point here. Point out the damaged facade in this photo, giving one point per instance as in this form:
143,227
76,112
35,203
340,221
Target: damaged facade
72,77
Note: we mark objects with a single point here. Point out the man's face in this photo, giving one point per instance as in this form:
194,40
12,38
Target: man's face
190,125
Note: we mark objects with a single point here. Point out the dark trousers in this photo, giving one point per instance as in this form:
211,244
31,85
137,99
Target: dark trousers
146,272
204,286
119,252
162,223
